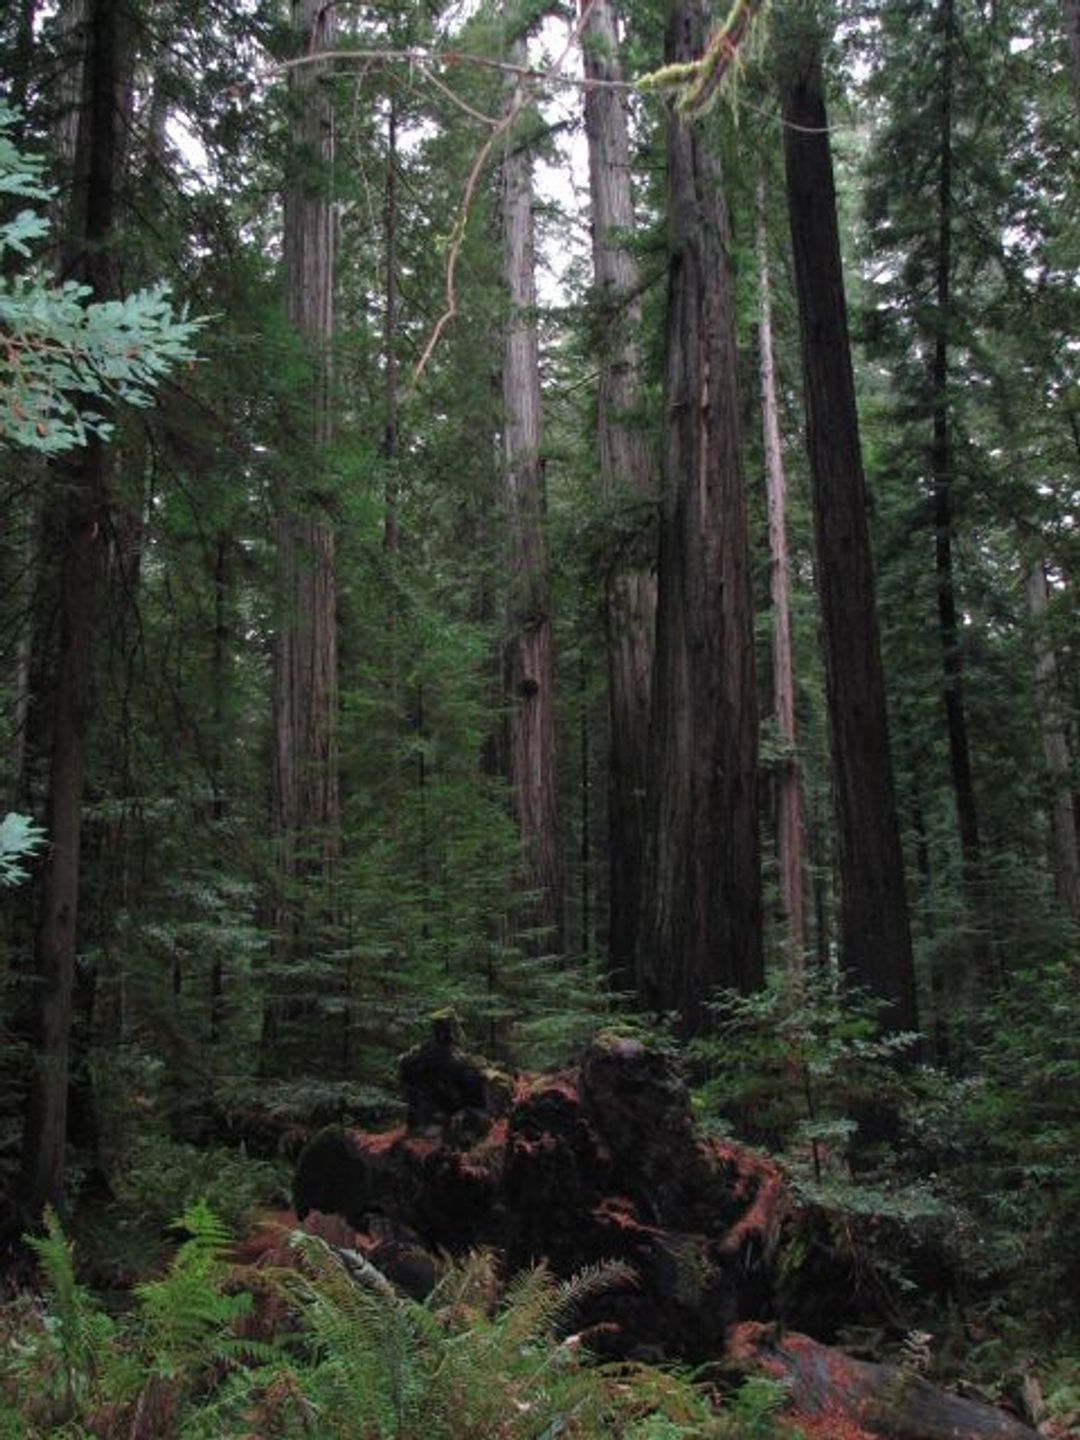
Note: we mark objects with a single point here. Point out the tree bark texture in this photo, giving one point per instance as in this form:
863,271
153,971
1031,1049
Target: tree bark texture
625,470
1065,848
875,934
789,828
81,513
702,912
528,654
305,749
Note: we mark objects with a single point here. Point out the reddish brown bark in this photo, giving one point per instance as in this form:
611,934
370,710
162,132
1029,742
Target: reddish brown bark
701,919
625,471
305,752
830,1394
875,933
528,655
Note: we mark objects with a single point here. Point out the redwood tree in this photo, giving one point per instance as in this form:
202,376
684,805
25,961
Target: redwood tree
625,473
528,654
702,910
875,932
304,719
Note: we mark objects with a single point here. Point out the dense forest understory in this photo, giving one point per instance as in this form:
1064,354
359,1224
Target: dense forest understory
544,532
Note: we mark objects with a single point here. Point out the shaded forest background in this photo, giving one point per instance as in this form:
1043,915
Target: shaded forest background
659,605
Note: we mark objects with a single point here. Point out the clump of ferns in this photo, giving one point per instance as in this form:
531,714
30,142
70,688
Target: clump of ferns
60,1360
384,1366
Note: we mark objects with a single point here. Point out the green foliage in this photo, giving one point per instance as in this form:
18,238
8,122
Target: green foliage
354,1361
794,1065
19,838
158,1174
64,354
67,1354
189,1320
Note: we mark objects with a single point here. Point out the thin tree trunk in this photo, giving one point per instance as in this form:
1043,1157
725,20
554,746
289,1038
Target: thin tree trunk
941,466
390,427
875,933
701,917
528,655
219,682
82,516
1065,850
305,751
789,830
625,471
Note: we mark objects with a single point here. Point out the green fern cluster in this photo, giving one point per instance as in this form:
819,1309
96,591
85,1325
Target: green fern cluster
353,1359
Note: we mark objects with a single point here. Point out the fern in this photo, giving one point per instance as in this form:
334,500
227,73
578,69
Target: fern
189,1319
74,1327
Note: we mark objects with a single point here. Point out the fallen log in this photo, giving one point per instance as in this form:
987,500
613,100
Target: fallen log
830,1394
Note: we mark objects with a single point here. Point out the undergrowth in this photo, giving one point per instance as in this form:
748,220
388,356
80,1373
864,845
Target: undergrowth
326,1348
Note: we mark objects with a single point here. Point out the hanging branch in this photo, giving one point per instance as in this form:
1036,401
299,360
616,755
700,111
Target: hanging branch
699,80
527,82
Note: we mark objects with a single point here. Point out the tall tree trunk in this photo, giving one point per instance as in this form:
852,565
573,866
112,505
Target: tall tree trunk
941,468
390,419
789,829
701,917
81,512
1065,849
875,933
528,656
625,471
305,748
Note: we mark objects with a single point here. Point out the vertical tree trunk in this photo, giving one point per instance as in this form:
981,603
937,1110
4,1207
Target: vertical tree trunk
875,934
789,830
305,755
701,917
528,657
82,508
1065,850
625,470
941,467
390,422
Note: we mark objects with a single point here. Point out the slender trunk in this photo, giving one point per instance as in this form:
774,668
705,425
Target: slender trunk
625,472
941,468
219,683
875,934
305,756
82,516
701,917
390,427
528,657
789,830
1065,850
